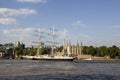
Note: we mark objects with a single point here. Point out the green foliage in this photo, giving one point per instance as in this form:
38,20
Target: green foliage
31,51
114,51
102,51
45,51
18,51
89,50
85,49
59,49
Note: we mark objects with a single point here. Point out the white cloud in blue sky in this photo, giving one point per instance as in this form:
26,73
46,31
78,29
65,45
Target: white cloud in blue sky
7,15
6,12
19,32
7,21
33,1
78,23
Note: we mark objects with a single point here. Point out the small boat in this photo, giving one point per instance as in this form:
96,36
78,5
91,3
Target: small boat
88,59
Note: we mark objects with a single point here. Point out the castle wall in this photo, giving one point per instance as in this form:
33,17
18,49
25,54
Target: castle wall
74,49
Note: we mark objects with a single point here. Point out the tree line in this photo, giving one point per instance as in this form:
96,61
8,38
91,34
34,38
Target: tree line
102,51
31,51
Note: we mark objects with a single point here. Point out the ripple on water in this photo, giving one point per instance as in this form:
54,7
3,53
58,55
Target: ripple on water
63,76
76,70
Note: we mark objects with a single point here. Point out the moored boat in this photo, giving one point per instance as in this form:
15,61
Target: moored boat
52,56
48,58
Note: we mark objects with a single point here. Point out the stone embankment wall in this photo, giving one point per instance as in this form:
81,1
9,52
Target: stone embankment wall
83,56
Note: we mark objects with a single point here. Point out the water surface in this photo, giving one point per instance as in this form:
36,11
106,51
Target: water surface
59,70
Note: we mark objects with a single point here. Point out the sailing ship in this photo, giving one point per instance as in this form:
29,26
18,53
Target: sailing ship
52,56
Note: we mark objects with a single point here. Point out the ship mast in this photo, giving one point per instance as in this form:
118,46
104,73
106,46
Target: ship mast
64,41
39,42
53,39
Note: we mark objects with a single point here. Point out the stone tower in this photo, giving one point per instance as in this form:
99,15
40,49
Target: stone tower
69,48
74,49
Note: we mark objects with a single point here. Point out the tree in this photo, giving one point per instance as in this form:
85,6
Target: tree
89,50
18,51
103,51
45,51
60,49
85,49
114,51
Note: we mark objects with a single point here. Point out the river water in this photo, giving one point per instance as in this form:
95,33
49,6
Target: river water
59,70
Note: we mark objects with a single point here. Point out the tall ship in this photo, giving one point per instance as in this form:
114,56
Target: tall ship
64,56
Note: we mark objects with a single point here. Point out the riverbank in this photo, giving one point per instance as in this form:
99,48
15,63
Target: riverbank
95,59
89,57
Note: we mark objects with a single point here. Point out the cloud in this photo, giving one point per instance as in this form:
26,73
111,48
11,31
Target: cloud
19,32
7,21
85,36
7,12
25,35
33,1
78,23
116,26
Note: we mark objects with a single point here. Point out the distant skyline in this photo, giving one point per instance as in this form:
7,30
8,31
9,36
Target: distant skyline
94,22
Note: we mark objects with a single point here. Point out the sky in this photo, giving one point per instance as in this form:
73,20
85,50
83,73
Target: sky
92,22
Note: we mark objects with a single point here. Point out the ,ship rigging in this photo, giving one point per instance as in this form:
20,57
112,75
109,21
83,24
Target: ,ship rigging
52,56
64,42
39,31
53,40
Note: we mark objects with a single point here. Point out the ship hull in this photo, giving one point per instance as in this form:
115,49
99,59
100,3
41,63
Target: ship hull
52,59
48,58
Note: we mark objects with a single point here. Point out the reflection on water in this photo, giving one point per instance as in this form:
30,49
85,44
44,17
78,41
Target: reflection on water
75,70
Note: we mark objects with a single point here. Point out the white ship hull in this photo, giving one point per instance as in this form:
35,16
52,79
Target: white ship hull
49,58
